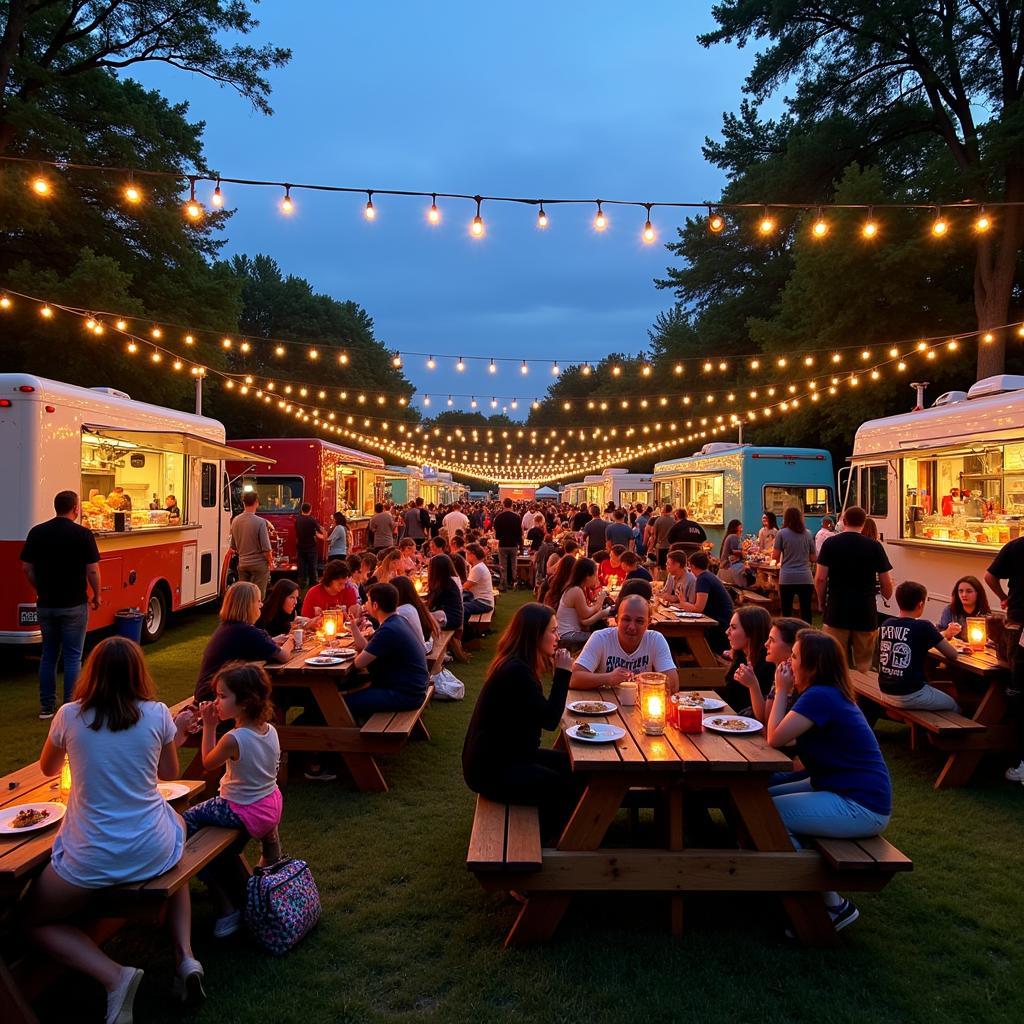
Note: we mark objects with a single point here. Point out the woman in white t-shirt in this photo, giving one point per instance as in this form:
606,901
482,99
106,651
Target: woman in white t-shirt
576,612
119,741
412,608
478,590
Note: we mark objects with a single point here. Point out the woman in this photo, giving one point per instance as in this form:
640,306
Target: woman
778,648
870,528
237,638
730,556
558,581
119,741
747,634
844,791
769,529
444,596
502,758
390,566
278,612
414,611
337,542
968,598
576,614
796,552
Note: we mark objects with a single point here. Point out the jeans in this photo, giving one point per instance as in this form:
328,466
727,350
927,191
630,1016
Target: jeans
801,592
475,606
306,561
818,812
221,871
507,561
63,629
928,698
376,698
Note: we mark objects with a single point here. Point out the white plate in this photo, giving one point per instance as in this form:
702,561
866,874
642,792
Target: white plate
749,725
605,733
689,615
8,814
337,652
577,707
322,662
708,704
171,790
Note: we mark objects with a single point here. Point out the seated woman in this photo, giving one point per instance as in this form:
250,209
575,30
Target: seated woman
769,529
393,656
237,638
478,590
576,613
747,634
390,565
778,649
444,595
502,757
844,791
557,581
731,568
414,611
278,612
968,598
119,740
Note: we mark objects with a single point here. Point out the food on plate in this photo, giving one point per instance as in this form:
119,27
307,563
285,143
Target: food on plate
693,699
28,817
733,724
590,707
585,729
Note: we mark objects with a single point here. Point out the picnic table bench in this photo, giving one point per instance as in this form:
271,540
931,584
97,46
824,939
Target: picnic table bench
505,851
689,632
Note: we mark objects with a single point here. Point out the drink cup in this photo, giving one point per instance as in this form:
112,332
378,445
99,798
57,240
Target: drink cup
298,635
627,694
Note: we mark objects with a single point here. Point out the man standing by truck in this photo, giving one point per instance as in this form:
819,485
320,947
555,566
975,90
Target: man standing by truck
250,541
307,532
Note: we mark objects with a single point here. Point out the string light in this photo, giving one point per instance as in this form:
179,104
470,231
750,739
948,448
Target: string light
477,227
649,234
460,365
524,369
46,313
491,367
431,363
287,204
132,193
41,186
869,229
983,223
369,212
217,199
820,227
939,225
716,222
542,217
396,361
5,302
434,214
193,208
600,220
766,225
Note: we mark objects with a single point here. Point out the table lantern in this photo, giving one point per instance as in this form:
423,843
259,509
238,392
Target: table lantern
418,585
653,702
977,633
65,780
613,581
330,625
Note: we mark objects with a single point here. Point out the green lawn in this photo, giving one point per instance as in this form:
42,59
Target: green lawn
408,935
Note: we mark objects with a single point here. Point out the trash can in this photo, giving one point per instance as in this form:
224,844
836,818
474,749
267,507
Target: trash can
128,623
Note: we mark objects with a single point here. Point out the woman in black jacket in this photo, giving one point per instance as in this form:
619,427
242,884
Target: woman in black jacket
443,593
502,758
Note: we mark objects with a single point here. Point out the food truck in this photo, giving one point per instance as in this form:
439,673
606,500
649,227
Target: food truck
331,478
623,488
402,484
153,490
945,485
726,481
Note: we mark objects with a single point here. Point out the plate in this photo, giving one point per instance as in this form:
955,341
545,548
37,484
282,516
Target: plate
591,707
8,813
749,724
605,733
322,662
688,615
337,652
171,790
708,704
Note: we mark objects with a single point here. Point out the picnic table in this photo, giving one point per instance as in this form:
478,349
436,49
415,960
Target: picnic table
690,632
505,852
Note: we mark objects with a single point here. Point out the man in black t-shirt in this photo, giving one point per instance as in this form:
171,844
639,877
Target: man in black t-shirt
1009,565
851,569
60,559
581,518
686,531
307,532
508,528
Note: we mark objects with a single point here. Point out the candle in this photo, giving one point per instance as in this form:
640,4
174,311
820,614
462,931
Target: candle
330,628
418,584
977,633
653,702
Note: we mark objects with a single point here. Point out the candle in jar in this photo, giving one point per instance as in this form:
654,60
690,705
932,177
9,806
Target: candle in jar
329,628
977,633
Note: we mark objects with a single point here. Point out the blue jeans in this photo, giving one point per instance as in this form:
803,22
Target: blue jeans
64,630
819,812
475,606
375,698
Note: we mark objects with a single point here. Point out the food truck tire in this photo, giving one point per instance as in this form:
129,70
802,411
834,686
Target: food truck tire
155,620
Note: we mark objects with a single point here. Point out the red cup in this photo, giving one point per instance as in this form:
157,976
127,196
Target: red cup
689,719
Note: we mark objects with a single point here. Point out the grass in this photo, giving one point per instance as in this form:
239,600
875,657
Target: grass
408,935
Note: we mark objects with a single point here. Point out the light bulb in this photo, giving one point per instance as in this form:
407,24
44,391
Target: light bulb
431,364
369,212
554,370
279,350
396,362
542,218
132,194
524,368
193,210
939,226
766,225
983,223
5,302
477,227
46,313
434,214
600,220
217,199
869,229
716,222
189,340
40,186
156,333
491,368
287,205
460,365
649,234
820,227
616,370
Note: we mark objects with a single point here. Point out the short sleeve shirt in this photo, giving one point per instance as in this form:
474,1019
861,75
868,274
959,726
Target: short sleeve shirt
903,645
231,641
595,533
854,563
619,533
662,525
305,532
59,551
719,603
381,529
796,549
250,538
400,662
604,653
1009,565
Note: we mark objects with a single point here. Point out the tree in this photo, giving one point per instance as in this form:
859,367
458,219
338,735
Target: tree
48,43
901,69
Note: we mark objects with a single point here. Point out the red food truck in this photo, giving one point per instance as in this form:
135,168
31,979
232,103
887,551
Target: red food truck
331,478
153,491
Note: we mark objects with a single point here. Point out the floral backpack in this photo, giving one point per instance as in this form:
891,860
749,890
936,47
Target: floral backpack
282,904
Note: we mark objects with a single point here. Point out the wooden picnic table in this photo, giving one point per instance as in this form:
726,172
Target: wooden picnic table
691,632
675,765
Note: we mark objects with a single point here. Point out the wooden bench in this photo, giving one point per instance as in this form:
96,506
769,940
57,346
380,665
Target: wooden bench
393,729
754,597
505,837
481,618
435,659
874,855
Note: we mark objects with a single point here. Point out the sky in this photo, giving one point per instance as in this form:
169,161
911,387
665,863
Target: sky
531,99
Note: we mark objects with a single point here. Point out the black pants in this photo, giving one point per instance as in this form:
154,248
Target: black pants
544,782
307,568
1015,698
801,592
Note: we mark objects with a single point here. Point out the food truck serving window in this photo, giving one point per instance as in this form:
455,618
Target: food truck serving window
276,493
972,496
812,501
146,483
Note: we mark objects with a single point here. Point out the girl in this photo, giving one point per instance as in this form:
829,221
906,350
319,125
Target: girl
444,595
278,612
414,611
248,796
796,551
576,614
337,542
778,649
766,535
119,740
968,599
844,791
747,634
730,556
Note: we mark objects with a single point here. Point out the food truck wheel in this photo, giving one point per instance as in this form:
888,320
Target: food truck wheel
156,616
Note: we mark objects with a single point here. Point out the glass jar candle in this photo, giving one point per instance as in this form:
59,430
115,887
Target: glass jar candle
653,702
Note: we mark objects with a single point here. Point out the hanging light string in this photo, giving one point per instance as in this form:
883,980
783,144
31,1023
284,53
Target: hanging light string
41,186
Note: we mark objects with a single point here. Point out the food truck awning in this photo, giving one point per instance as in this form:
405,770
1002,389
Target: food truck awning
174,441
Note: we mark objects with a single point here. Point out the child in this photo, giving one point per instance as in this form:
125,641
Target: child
249,797
903,644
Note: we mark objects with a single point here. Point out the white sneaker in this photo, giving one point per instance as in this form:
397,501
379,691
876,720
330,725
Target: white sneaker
119,1002
1015,774
188,985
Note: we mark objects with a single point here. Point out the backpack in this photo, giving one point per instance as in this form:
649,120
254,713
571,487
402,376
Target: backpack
282,904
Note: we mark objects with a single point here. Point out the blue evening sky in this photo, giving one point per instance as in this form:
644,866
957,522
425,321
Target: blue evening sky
529,99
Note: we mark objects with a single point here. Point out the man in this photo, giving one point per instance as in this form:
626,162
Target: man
633,569
455,520
1009,565
614,655
393,656
508,528
380,530
595,532
828,529
528,517
60,559
416,522
478,590
659,529
307,532
250,541
680,583
850,567
619,532
333,591
685,531
710,598
581,518
642,519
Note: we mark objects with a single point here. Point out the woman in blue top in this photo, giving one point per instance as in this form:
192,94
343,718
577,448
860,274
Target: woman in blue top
844,791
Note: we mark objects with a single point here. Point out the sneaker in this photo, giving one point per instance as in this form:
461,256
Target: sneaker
317,774
846,913
227,925
1011,774
46,713
119,1002
188,985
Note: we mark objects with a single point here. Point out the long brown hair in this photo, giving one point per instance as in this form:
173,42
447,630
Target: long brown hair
979,588
113,681
757,624
439,569
250,686
793,519
824,661
521,639
407,595
559,580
